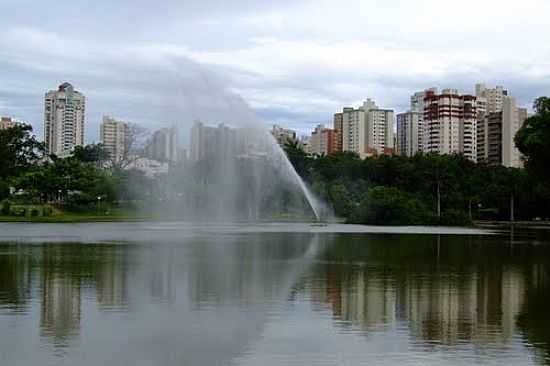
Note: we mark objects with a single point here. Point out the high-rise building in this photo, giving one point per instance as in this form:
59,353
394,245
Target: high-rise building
353,131
283,135
338,126
496,133
214,142
367,130
323,141
64,113
417,100
115,138
450,123
163,145
380,135
7,122
491,99
409,133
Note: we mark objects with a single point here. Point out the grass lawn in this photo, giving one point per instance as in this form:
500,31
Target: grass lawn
70,217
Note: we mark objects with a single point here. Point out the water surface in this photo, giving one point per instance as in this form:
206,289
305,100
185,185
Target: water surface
272,294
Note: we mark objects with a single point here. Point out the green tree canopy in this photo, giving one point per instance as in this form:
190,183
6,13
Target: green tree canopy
533,140
19,149
94,153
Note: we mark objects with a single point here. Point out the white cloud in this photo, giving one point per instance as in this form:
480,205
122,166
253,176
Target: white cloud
294,61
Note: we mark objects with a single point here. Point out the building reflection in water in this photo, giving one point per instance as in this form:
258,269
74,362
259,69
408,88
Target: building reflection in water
15,277
111,278
439,290
60,288
442,291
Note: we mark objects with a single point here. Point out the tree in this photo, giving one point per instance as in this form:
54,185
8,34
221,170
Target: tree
298,157
132,143
438,173
94,153
533,140
19,149
389,206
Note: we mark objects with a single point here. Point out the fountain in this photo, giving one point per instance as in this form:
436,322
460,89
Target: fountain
235,170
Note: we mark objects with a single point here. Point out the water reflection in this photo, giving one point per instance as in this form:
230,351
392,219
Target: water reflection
445,290
209,299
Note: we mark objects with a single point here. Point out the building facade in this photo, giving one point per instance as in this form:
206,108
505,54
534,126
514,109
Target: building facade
323,141
283,135
64,115
215,142
450,123
379,131
163,145
115,138
496,131
490,100
409,133
338,126
367,130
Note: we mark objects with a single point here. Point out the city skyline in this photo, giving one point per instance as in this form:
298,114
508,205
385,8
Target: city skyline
293,71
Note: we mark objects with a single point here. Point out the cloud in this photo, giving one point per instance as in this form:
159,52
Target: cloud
294,62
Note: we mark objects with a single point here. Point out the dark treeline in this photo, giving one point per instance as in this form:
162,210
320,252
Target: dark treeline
432,188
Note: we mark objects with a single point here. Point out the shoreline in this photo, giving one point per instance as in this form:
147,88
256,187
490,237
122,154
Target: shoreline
83,218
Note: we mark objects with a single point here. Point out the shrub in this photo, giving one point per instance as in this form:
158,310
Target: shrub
389,206
18,211
5,207
454,217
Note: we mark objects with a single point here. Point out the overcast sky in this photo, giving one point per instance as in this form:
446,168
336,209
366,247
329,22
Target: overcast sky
295,62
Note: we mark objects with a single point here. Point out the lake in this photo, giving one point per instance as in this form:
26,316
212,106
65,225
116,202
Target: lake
272,294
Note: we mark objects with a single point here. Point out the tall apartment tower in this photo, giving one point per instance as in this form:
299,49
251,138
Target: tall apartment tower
380,135
64,113
409,133
163,145
338,126
220,142
367,130
353,131
410,125
492,99
496,131
450,123
323,141
115,138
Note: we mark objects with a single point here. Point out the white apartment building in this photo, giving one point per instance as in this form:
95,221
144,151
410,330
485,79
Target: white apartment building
417,100
353,131
115,138
409,133
496,133
450,123
367,130
64,113
490,99
209,142
163,145
380,135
